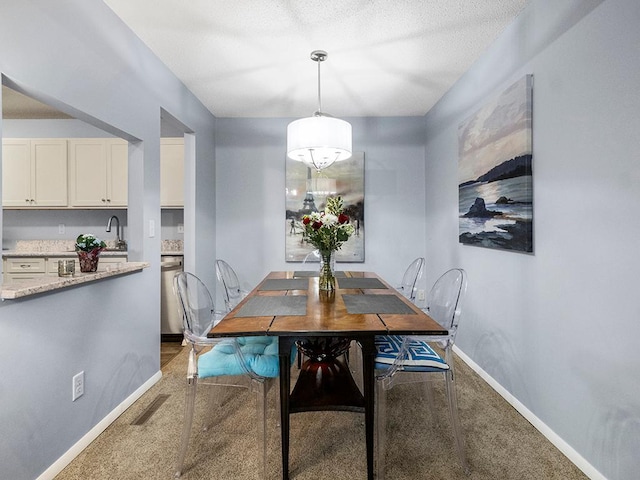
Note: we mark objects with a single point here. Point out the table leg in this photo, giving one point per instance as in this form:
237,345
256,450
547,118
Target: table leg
368,374
284,352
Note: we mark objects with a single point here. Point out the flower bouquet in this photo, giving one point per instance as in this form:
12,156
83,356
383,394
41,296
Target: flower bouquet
327,231
88,248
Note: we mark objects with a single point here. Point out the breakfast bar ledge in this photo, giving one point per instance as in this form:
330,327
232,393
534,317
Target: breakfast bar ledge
47,284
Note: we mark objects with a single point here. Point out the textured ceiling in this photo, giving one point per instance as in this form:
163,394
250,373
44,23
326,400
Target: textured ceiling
249,58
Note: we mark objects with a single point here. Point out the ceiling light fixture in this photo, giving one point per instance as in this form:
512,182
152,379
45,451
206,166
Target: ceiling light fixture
319,140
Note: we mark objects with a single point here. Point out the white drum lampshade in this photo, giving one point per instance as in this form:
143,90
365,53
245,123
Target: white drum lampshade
319,141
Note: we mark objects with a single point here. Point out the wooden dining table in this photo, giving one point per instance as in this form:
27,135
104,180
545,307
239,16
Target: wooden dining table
289,305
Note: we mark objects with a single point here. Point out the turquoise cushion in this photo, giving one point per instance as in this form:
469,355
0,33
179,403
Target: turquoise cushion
260,355
420,356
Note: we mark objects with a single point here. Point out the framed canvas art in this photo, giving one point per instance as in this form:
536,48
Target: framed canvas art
307,191
495,186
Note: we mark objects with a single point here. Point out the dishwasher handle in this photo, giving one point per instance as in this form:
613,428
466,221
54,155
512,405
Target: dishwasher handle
168,265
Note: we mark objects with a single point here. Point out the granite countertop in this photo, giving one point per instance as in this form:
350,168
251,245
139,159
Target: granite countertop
65,248
38,285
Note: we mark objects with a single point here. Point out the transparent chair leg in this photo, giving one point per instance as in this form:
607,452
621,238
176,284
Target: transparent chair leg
380,430
429,398
455,421
189,406
216,396
355,364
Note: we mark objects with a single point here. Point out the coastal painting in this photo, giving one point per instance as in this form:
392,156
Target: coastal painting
307,190
495,188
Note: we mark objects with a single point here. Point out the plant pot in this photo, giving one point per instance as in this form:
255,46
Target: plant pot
88,260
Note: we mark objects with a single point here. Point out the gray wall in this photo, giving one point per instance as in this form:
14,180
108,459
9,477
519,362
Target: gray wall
250,194
558,329
79,57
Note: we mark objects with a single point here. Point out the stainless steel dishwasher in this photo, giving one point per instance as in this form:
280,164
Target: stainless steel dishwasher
170,318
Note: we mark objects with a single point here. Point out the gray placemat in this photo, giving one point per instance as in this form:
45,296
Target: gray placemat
285,284
360,283
376,304
269,306
315,273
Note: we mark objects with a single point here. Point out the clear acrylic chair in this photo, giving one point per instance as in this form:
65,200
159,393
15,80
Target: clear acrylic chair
407,288
409,359
312,257
411,276
232,292
249,362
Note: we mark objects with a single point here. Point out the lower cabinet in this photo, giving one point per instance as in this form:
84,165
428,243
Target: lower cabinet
19,269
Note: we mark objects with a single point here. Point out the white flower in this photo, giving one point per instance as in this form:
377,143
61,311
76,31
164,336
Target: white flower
348,228
329,219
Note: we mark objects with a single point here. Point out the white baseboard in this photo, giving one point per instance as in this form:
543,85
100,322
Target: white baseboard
92,434
579,461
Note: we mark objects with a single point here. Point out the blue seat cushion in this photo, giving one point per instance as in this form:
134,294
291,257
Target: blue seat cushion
260,355
420,356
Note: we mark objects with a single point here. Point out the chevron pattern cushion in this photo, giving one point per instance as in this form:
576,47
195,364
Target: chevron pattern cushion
420,356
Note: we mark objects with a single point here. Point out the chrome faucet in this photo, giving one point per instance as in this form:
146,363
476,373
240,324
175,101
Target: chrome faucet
120,243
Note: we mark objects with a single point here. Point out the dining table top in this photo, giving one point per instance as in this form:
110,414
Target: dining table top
289,303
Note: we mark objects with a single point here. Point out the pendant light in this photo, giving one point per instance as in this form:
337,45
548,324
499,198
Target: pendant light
319,140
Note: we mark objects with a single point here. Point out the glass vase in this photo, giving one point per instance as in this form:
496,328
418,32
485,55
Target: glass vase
327,279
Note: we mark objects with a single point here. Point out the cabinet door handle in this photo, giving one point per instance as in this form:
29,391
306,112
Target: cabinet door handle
104,200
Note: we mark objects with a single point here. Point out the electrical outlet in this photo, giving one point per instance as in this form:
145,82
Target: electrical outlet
61,228
78,386
421,295
152,228
180,228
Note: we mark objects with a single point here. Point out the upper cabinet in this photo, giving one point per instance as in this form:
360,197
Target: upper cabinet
172,172
34,173
98,172
82,173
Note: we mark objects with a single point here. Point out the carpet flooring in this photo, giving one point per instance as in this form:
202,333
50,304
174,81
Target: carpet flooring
501,444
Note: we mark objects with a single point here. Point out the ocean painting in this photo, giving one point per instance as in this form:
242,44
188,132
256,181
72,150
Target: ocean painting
495,188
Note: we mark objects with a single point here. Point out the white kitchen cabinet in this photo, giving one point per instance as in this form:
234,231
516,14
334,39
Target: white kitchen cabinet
172,172
16,269
34,173
98,172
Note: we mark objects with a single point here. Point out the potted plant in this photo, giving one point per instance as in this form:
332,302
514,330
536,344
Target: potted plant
88,248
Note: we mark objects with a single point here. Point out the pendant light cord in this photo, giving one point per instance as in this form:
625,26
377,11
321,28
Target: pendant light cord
319,97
